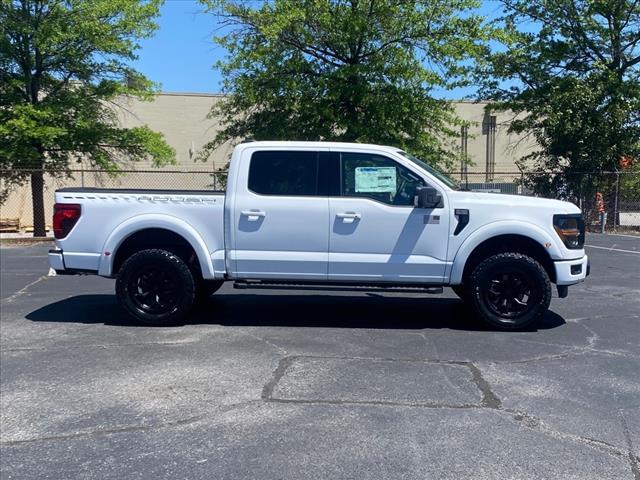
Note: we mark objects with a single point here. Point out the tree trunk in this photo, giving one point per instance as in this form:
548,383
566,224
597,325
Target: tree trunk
37,200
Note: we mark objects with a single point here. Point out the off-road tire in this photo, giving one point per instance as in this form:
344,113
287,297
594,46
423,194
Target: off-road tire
173,282
506,273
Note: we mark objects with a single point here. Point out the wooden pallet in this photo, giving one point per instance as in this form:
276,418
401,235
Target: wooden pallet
9,225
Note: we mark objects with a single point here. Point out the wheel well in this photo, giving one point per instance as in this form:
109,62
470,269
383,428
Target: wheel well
156,238
510,243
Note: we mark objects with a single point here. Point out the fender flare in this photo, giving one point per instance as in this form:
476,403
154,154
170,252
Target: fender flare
496,229
144,222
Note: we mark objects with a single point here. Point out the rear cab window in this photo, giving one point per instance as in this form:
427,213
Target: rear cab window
284,173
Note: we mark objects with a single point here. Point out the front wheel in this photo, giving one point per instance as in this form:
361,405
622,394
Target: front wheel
156,287
510,290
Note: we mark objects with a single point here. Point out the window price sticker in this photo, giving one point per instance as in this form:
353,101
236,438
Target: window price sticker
376,179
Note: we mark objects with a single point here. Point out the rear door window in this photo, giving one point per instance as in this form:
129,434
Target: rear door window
284,173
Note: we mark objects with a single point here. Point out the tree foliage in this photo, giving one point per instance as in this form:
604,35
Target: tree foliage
63,66
345,70
572,70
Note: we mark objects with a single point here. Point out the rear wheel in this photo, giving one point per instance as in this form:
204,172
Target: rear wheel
156,287
510,290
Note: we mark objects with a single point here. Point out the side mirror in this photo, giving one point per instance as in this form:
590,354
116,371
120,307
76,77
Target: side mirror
428,197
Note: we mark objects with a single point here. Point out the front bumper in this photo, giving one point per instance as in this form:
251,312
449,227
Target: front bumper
570,272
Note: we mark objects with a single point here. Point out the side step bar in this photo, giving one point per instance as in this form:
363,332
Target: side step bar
344,287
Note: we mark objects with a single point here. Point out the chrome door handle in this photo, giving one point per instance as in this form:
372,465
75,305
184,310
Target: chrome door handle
349,217
253,215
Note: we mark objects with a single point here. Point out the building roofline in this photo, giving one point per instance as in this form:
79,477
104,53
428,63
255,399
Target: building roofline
190,94
209,94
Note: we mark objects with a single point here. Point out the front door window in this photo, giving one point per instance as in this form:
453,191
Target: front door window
378,178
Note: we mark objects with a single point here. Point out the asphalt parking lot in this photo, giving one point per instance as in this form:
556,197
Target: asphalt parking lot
275,384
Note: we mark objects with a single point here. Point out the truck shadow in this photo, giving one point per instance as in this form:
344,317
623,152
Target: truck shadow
372,311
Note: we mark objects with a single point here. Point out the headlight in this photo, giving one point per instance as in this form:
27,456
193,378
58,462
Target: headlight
570,229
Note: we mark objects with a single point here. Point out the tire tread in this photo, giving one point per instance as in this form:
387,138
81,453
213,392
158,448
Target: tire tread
492,319
187,282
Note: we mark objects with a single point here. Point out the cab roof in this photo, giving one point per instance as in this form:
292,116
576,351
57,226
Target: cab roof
331,145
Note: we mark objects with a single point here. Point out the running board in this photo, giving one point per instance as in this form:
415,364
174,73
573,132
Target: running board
344,287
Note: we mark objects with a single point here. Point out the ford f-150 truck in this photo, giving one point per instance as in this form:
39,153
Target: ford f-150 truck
322,214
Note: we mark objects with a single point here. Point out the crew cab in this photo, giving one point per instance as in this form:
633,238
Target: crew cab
316,213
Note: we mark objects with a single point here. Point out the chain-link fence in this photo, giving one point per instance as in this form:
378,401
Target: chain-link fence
16,208
616,194
609,200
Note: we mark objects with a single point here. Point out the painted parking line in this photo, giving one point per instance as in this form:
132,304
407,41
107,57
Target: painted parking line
613,249
637,237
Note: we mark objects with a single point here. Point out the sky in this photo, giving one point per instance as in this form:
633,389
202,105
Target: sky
181,54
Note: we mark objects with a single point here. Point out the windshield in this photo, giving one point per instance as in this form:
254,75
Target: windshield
449,182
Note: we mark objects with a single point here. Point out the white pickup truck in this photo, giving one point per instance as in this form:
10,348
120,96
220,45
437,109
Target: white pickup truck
314,213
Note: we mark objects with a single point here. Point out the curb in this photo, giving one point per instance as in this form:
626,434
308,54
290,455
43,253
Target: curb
25,241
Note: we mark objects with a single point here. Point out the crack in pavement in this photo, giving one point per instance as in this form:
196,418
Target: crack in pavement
24,289
389,403
278,348
490,401
593,338
128,428
634,461
98,345
103,431
534,423
278,373
568,350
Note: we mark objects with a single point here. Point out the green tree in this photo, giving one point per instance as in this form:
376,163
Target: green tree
571,69
345,70
63,66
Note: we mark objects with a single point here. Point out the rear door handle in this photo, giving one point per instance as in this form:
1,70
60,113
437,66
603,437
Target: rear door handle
349,217
253,215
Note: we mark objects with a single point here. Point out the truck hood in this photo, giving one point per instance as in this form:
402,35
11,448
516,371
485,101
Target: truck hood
501,200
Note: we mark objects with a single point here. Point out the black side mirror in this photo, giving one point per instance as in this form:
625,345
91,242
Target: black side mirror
428,197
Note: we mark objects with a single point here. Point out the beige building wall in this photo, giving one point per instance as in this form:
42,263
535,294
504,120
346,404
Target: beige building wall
183,119
180,117
490,147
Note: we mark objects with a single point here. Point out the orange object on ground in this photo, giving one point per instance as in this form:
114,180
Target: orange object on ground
599,202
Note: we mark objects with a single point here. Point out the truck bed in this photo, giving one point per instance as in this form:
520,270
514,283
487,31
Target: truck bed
110,215
138,190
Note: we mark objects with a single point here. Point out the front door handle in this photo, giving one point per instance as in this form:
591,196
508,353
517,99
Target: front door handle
253,215
349,217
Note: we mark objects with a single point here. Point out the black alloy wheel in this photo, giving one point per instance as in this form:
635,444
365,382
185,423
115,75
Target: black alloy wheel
510,290
154,290
156,287
510,293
